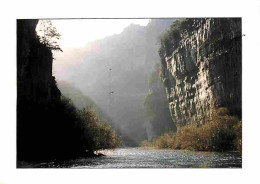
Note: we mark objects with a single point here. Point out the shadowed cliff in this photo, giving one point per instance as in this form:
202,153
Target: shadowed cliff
49,126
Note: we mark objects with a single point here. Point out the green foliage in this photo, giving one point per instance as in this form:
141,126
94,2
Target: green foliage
61,131
150,109
170,40
81,100
95,134
156,105
178,31
221,133
101,134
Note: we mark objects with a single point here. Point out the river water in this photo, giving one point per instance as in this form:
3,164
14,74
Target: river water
152,158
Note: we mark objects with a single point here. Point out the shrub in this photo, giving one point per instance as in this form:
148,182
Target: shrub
60,131
222,111
221,133
170,40
102,135
146,143
238,136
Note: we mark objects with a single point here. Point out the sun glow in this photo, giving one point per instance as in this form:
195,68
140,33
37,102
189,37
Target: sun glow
77,33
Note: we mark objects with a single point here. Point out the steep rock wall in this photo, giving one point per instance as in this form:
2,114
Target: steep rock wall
35,82
36,92
205,72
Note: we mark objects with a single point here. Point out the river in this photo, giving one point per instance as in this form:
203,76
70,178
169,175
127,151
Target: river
152,158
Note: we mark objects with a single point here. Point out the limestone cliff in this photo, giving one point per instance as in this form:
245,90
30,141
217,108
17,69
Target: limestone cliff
205,71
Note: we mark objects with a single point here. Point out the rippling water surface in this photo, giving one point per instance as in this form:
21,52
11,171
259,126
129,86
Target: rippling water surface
152,158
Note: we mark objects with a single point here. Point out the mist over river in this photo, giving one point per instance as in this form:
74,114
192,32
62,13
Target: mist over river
151,158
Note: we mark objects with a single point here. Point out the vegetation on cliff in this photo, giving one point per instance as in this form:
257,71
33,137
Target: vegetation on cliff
102,121
48,35
156,106
181,29
95,135
184,28
81,100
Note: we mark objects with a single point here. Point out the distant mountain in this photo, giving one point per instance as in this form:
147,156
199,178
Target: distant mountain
114,72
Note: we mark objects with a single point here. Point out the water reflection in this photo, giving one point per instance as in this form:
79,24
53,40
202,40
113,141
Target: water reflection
151,158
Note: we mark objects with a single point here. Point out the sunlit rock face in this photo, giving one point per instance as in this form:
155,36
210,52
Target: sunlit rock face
205,72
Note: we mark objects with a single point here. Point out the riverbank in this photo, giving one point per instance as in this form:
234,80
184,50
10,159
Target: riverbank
37,164
221,133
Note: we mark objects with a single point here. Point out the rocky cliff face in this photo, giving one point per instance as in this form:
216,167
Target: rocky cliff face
36,93
35,82
205,72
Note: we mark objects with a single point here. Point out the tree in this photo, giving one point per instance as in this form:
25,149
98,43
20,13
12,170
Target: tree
48,35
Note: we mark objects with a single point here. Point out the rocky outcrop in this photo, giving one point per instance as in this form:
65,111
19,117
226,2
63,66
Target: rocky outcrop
35,82
36,93
205,72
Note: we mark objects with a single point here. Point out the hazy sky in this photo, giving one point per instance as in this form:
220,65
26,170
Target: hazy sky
77,32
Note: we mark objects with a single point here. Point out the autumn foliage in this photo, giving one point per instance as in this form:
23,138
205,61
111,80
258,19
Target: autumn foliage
222,132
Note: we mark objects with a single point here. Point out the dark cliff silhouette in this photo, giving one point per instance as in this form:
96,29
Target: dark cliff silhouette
36,89
49,126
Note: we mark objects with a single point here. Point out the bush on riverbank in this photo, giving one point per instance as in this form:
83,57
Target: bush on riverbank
221,133
102,134
61,131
